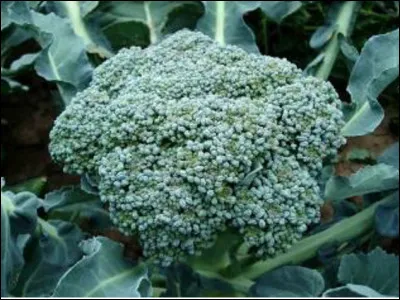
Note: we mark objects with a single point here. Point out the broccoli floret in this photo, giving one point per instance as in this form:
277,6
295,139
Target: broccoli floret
190,138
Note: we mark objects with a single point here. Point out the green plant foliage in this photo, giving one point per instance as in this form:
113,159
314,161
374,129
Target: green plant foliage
53,249
18,221
115,277
369,179
127,23
375,69
377,270
223,21
63,57
74,205
387,218
289,281
339,24
353,291
279,10
208,204
76,13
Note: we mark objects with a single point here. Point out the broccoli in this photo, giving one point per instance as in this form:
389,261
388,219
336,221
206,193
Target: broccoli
189,138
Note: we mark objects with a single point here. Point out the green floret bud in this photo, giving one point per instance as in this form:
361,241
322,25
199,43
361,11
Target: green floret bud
189,138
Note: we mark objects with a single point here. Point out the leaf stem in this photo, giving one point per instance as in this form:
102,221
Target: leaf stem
344,21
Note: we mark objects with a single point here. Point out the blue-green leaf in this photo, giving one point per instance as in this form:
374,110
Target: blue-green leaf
377,270
370,179
73,205
75,12
390,156
52,251
63,58
289,281
375,69
279,10
353,291
127,22
23,62
387,218
114,276
223,21
339,23
18,220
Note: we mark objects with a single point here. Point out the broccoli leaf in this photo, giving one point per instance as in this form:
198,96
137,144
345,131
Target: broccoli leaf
223,21
115,277
370,179
127,23
72,204
387,218
75,12
390,156
63,58
375,69
289,281
51,252
339,24
18,220
353,291
377,270
279,10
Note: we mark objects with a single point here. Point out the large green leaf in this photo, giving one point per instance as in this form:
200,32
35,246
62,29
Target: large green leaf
74,205
289,281
377,270
370,179
387,218
353,291
375,69
51,252
18,220
63,58
75,12
103,272
223,21
5,16
278,10
127,23
390,156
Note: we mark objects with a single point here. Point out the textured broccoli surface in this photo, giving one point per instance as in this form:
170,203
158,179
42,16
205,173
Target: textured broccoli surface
189,138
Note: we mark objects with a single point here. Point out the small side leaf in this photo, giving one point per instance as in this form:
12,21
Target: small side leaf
279,10
73,205
370,179
289,281
115,277
223,21
375,69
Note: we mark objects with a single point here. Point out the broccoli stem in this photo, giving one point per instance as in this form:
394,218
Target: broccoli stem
307,248
344,21
356,226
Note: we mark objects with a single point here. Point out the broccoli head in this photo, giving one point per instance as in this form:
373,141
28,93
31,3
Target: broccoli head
189,138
